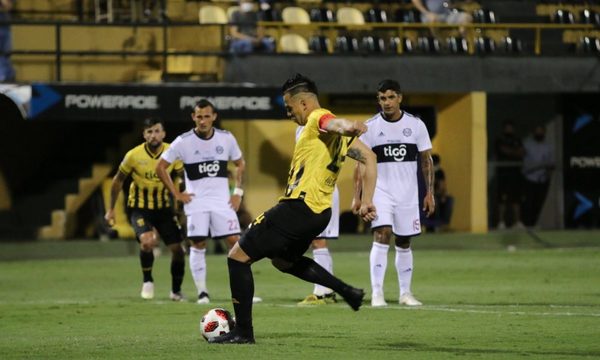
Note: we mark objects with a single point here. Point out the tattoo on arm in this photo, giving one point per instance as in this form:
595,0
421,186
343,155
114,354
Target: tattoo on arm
427,169
356,154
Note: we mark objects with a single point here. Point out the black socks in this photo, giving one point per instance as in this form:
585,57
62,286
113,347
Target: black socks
242,291
147,260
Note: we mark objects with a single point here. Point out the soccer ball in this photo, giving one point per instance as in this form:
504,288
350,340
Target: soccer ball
216,322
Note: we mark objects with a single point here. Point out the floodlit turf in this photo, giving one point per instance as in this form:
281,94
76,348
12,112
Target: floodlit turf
492,304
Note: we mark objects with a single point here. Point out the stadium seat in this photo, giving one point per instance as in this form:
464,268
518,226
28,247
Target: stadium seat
410,16
319,44
484,45
211,14
269,15
295,15
350,16
561,16
457,45
376,15
321,15
511,45
293,43
396,42
346,44
590,17
484,16
428,45
231,10
373,44
589,45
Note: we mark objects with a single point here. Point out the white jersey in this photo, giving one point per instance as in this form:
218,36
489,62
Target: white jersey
397,145
205,164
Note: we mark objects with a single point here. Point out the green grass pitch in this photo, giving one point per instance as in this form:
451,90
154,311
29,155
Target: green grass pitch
481,302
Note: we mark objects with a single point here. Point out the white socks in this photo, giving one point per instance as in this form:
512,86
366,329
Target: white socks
198,268
378,264
404,267
323,258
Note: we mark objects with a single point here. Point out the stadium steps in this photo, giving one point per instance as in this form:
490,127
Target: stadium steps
63,221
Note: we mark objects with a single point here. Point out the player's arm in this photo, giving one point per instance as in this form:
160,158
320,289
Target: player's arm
115,188
367,158
163,175
359,171
329,123
428,175
238,191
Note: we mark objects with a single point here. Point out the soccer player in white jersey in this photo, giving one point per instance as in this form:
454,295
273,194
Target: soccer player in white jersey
205,152
322,295
398,139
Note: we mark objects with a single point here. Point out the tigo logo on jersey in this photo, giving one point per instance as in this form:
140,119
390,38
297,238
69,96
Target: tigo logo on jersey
210,169
398,153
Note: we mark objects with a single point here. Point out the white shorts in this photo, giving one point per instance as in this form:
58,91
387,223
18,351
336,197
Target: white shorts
220,222
405,221
332,231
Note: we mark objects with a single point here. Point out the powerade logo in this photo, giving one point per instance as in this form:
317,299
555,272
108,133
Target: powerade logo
210,169
585,162
398,153
224,103
135,102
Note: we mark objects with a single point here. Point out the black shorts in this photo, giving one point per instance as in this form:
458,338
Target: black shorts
285,231
510,184
163,220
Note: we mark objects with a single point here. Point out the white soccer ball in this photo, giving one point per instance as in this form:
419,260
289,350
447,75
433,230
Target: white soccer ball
216,322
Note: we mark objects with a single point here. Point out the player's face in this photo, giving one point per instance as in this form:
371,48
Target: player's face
294,108
204,119
154,135
389,101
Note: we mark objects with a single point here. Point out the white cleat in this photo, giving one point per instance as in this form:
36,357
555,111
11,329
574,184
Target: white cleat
178,296
147,290
377,300
409,300
203,298
256,300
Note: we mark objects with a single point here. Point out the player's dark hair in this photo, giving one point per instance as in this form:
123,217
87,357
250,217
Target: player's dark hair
150,122
389,84
202,103
299,83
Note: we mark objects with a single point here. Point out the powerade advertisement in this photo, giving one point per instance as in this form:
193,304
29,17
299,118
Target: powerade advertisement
169,102
581,154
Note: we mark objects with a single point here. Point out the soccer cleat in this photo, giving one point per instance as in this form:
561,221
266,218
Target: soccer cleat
256,299
409,300
501,226
354,297
232,337
312,299
147,290
330,298
203,298
176,296
377,300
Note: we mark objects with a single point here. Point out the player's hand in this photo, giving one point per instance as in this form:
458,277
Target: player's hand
367,211
184,197
355,207
358,128
431,17
110,217
235,201
429,204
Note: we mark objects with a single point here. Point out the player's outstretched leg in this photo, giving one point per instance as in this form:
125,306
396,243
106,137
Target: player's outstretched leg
308,270
241,283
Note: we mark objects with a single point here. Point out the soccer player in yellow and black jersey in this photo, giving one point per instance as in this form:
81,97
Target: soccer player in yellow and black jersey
285,232
151,206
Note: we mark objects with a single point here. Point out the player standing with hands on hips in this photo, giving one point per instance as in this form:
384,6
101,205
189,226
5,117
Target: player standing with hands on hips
397,138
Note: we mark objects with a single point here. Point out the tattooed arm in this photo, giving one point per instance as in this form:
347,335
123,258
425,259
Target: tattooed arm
368,174
428,174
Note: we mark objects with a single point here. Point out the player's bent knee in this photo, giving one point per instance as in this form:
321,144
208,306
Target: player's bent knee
281,265
382,235
198,242
319,244
148,241
403,242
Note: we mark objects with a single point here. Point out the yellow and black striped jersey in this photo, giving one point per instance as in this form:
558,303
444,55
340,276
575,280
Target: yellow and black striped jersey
317,160
147,191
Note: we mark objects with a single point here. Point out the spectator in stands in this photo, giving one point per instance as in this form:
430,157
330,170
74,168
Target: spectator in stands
7,72
149,8
246,36
509,154
538,164
443,201
441,11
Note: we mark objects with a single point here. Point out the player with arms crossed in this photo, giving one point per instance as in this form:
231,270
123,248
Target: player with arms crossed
205,152
285,232
397,138
150,206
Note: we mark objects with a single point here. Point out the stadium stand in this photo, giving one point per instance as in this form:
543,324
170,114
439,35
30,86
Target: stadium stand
293,43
